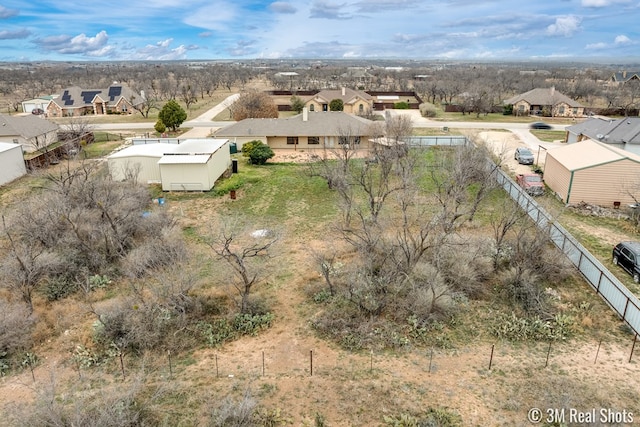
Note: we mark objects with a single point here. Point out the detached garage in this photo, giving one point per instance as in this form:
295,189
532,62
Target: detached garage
11,162
194,165
594,173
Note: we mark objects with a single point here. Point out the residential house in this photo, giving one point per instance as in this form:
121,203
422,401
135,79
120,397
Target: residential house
545,102
358,75
624,76
306,131
355,102
75,101
610,131
32,132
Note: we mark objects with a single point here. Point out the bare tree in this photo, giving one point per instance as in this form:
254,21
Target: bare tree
25,265
254,104
242,254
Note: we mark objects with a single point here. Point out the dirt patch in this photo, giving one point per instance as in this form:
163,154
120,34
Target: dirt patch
503,145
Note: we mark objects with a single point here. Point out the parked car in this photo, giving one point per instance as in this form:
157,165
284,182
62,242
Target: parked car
531,183
524,156
627,256
539,125
37,111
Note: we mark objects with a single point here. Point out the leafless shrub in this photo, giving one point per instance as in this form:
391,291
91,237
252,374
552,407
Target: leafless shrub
15,327
466,265
154,253
235,413
128,405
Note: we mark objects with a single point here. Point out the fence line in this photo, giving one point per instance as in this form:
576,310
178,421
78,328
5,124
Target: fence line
432,141
614,293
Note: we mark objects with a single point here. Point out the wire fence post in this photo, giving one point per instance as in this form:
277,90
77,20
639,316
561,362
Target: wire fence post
597,352
311,362
635,338
217,366
548,352
170,367
491,357
263,363
431,360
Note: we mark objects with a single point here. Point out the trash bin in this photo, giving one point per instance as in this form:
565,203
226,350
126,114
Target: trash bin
232,194
161,201
233,148
234,165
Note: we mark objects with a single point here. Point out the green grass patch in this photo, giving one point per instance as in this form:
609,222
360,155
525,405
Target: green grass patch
549,135
100,149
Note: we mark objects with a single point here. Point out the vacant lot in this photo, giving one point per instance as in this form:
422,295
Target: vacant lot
300,378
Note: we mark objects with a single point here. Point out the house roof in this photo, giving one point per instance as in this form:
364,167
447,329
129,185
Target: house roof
25,126
625,76
350,96
589,153
320,123
618,131
76,97
543,96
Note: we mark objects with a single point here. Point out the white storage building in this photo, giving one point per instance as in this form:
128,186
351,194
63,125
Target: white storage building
195,164
192,165
140,159
11,162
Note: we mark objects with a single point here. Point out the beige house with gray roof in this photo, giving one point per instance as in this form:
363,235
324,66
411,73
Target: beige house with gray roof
32,132
355,102
545,102
306,131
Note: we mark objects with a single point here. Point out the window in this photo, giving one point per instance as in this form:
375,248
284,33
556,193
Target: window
361,108
313,140
561,109
343,140
312,107
293,140
356,140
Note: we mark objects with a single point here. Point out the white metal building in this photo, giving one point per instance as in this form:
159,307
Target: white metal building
195,164
140,159
192,165
11,162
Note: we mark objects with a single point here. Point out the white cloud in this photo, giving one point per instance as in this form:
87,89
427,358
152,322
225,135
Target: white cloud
7,13
564,26
622,40
216,16
161,51
603,3
282,7
80,44
11,35
596,46
328,10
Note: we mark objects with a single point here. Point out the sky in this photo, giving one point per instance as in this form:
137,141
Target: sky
86,30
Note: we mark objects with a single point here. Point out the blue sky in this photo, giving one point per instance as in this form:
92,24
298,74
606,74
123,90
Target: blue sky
81,30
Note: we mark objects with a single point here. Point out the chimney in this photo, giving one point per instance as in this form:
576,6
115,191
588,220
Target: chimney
553,90
344,91
305,114
624,74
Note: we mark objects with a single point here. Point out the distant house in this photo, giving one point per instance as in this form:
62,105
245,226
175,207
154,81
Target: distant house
594,173
11,162
610,131
624,76
75,101
359,75
355,102
32,132
192,165
309,130
545,102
